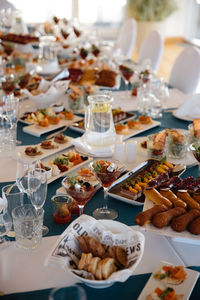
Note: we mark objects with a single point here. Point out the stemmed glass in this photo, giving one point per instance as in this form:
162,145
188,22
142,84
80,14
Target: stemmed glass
127,72
81,191
37,186
106,172
195,149
23,167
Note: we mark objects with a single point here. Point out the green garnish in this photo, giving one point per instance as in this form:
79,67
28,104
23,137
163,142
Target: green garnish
72,181
61,160
97,167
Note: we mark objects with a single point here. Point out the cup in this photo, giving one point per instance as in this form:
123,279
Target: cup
152,152
62,208
74,292
28,226
131,150
14,198
75,100
177,146
119,151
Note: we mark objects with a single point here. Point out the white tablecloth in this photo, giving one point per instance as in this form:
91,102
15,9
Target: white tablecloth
23,270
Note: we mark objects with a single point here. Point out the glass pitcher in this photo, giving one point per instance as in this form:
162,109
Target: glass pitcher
99,125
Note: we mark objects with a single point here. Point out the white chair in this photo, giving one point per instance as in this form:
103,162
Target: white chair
127,37
185,72
152,49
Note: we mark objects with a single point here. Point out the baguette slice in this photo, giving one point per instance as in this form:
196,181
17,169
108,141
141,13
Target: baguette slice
98,273
82,262
93,265
108,267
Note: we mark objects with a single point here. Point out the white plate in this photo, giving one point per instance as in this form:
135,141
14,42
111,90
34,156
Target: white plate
115,227
186,236
185,288
37,130
45,152
184,118
188,160
144,127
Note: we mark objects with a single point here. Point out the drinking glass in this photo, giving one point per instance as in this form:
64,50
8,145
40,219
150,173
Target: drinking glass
5,226
37,186
79,190
74,292
106,172
126,72
14,198
195,149
23,167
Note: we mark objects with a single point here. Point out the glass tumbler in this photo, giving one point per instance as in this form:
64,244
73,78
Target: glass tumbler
62,208
28,226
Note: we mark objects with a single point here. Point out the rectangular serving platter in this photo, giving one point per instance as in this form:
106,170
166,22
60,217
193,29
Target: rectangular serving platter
37,130
144,127
46,162
77,126
114,190
186,236
185,288
45,152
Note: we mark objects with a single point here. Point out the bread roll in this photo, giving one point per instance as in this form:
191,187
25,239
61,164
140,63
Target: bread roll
188,199
93,265
154,196
173,198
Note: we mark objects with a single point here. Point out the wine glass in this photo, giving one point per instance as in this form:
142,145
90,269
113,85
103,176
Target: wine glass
79,189
23,167
37,186
126,72
195,149
106,172
5,226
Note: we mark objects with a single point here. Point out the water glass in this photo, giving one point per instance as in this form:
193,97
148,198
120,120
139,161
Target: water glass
74,292
28,226
8,125
14,198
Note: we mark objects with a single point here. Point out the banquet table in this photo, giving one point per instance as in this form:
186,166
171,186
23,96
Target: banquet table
126,214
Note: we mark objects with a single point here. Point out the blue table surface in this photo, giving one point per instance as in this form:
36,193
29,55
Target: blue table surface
134,285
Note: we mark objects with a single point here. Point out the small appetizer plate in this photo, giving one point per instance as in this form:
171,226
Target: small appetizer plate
37,130
182,290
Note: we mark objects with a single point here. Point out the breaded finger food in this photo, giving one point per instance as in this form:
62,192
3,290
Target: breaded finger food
145,217
154,196
180,223
173,198
185,196
163,219
194,227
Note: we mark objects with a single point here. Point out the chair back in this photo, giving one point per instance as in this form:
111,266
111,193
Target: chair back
127,37
152,49
185,72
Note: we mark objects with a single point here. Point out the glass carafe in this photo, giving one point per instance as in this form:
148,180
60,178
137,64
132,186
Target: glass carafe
99,125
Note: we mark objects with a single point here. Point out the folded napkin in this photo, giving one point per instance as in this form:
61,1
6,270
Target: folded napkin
191,108
82,146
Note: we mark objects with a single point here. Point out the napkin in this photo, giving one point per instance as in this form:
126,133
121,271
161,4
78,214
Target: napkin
82,146
191,108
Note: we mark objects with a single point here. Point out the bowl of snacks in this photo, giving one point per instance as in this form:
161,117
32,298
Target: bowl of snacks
99,252
194,131
156,145
176,143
